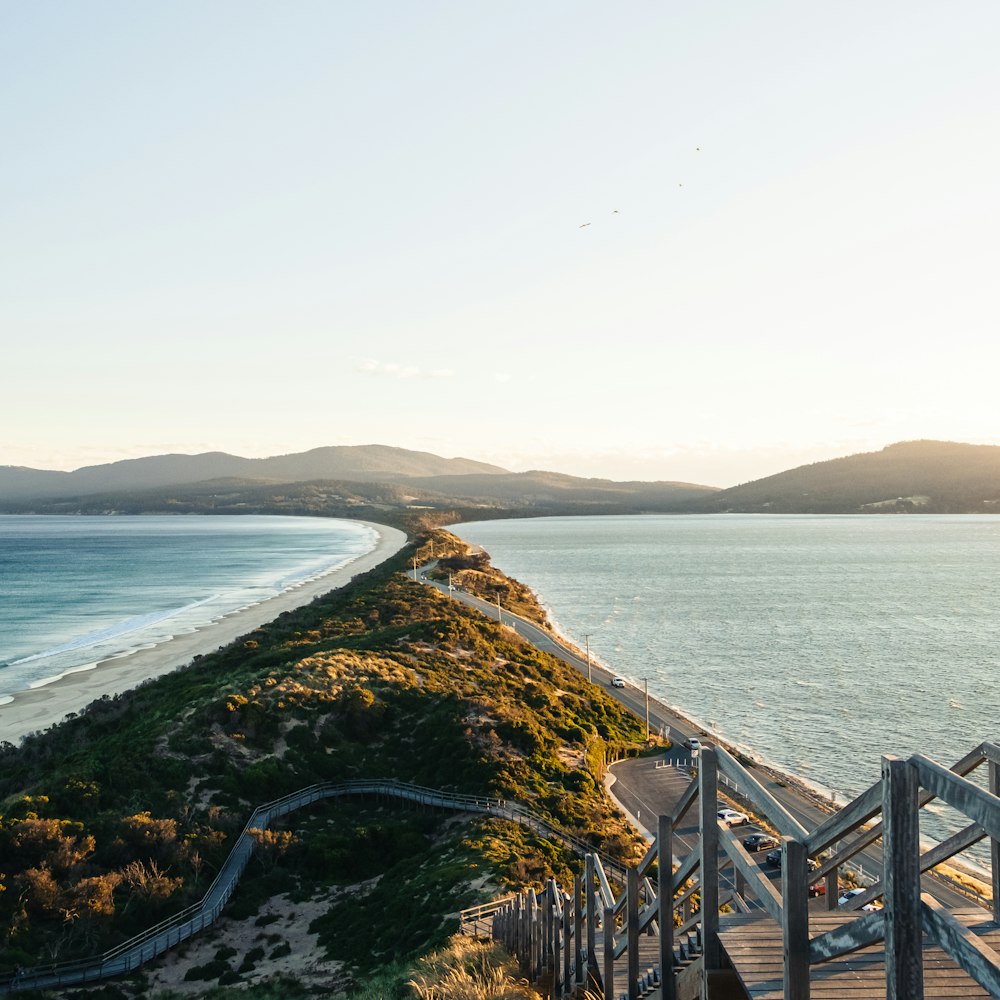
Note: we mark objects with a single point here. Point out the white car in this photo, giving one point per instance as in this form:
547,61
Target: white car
618,682
851,893
693,743
733,818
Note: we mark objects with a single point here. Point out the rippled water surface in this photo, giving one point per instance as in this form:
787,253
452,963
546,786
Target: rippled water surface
75,590
819,643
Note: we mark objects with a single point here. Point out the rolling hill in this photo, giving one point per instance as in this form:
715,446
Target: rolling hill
924,477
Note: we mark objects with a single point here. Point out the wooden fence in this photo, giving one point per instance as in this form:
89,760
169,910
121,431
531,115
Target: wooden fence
564,939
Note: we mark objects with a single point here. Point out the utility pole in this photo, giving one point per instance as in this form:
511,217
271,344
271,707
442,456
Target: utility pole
589,674
450,587
499,612
645,685
414,567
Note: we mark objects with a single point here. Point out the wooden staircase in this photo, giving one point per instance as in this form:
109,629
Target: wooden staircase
753,944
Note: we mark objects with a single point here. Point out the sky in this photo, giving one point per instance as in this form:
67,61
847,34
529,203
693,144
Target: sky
652,240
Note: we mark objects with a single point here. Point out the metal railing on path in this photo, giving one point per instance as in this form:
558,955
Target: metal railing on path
154,941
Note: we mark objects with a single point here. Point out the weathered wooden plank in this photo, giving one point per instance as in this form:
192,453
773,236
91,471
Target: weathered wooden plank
708,823
847,937
684,803
994,786
762,887
862,809
665,902
960,793
904,967
976,957
795,925
783,820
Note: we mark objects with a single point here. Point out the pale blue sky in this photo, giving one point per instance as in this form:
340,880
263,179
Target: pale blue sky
262,227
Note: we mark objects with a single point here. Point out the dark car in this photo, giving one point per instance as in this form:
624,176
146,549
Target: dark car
774,858
759,842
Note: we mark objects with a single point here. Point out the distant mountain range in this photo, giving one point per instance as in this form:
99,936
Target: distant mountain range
913,476
362,463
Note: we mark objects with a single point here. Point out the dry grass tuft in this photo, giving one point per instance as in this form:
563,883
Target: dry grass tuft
470,970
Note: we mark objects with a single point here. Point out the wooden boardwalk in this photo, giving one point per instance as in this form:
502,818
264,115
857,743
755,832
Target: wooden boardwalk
754,946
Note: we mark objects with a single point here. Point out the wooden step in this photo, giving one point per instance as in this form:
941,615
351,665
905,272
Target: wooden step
754,946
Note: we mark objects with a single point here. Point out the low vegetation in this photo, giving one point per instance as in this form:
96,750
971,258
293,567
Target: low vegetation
122,815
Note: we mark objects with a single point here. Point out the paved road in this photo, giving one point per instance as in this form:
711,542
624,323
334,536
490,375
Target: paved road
636,781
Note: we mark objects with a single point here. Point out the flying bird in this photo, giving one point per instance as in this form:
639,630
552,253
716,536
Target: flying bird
614,211
584,226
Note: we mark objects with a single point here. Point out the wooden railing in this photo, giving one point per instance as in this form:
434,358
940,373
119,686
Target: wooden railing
170,932
566,939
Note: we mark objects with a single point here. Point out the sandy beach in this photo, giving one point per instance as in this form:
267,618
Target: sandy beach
39,708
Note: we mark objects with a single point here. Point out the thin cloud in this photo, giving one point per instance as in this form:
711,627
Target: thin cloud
389,369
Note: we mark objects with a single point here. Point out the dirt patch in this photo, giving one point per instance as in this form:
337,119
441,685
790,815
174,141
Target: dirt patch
275,941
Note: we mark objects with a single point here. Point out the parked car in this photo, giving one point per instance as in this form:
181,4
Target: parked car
759,842
733,818
851,894
618,682
818,888
774,858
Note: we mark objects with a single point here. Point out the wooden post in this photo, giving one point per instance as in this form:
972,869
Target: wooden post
578,930
632,930
708,807
795,925
904,960
591,915
555,927
832,888
665,900
535,933
995,844
609,953
546,931
568,943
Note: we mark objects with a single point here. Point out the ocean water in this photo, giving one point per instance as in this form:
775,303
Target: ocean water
77,590
815,643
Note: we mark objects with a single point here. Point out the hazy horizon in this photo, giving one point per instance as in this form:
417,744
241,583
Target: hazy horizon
705,244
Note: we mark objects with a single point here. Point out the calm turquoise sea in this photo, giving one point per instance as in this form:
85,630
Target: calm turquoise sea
76,590
818,643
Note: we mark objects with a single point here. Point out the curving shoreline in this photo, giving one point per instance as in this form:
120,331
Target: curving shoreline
39,708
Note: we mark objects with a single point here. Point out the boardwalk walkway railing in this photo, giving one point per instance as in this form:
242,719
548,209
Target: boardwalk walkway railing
170,932
567,938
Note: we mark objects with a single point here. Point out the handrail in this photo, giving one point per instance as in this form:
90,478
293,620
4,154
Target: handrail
785,822
169,932
905,787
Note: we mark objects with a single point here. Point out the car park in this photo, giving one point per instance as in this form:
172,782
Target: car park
759,842
618,682
731,817
851,894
